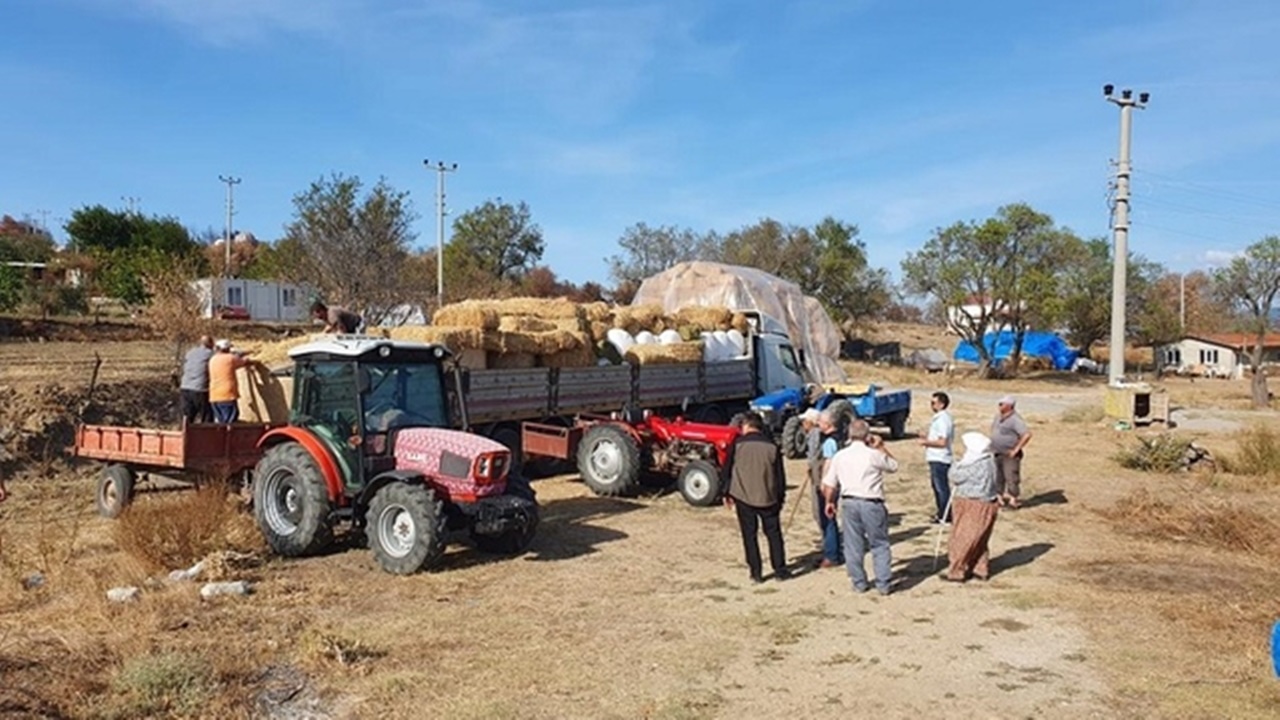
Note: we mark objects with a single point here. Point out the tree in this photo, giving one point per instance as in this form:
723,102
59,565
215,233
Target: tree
1250,283
350,246
125,246
10,287
23,241
1085,291
497,241
648,251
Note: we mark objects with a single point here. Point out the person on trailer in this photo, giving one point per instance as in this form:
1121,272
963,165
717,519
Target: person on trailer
336,319
194,389
224,389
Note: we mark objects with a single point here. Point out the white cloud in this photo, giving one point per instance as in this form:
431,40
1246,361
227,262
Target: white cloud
1219,258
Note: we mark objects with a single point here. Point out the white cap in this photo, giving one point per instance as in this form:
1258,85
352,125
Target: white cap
223,344
1006,400
810,416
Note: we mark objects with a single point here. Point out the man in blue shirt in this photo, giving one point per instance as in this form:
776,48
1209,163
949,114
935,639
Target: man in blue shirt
829,444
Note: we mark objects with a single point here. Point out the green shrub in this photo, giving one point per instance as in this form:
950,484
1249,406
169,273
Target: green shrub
164,685
1164,453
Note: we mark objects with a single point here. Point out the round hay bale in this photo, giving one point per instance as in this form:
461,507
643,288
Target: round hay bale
469,314
685,352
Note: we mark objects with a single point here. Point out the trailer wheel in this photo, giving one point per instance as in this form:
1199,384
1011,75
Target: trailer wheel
794,443
609,460
115,490
515,540
699,483
405,528
291,501
898,425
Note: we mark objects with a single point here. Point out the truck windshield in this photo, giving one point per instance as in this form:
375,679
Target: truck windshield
404,395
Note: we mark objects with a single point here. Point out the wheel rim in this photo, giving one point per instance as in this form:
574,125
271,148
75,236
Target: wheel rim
397,532
110,496
606,461
697,484
283,506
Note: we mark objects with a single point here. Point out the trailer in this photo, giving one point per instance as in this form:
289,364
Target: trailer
781,410
193,455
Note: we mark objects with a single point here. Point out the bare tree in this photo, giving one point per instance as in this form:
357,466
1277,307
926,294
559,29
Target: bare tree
1251,283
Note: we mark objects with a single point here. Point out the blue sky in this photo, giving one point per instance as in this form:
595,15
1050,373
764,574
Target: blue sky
898,116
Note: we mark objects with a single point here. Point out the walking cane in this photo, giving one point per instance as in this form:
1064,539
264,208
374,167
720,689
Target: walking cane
937,543
796,505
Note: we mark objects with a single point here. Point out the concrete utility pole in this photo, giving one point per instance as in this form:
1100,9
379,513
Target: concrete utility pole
226,238
440,168
1120,228
1182,303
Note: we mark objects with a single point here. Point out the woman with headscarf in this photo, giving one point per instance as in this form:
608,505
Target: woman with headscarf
973,509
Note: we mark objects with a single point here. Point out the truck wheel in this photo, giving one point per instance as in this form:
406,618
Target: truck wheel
405,528
291,501
711,415
115,490
898,425
794,443
515,540
699,483
609,460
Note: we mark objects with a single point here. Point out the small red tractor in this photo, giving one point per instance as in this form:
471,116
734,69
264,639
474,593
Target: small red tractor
612,452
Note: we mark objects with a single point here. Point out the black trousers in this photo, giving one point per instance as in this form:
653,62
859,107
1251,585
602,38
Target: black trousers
750,519
195,406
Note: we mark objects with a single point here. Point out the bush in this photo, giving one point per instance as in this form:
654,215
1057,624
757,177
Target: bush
1195,519
175,532
1164,453
1257,453
167,685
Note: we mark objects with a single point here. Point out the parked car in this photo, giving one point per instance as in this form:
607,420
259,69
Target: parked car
233,312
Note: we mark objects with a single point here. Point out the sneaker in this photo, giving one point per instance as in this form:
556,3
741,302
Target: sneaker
860,588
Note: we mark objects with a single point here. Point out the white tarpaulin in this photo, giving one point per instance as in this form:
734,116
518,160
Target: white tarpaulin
744,288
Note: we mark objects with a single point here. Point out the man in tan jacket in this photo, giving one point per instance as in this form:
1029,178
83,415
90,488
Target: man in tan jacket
757,485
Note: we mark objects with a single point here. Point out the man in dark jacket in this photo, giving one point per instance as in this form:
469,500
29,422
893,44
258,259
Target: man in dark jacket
757,485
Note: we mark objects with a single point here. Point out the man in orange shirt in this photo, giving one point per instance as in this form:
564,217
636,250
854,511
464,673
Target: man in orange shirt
224,391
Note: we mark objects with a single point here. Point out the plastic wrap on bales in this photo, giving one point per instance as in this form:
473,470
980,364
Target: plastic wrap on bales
467,314
704,318
685,352
525,324
263,396
512,361
583,356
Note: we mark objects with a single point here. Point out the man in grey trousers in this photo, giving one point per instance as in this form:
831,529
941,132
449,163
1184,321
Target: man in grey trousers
855,477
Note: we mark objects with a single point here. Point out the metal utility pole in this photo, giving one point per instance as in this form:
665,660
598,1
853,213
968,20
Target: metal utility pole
226,238
1120,228
440,168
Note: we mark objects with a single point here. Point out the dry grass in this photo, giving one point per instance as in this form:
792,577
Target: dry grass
1195,518
1087,413
1257,454
167,533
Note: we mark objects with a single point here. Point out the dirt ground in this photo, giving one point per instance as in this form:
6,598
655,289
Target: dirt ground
641,607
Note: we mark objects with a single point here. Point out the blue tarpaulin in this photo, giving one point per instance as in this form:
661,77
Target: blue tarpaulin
1034,344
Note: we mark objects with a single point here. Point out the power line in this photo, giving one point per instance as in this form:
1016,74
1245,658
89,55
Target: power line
1209,190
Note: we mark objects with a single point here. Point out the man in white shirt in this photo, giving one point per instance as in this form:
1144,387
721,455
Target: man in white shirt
855,476
937,452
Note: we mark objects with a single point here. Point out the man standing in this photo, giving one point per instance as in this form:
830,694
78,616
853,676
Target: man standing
828,445
224,390
336,319
194,388
1009,435
856,476
937,452
757,485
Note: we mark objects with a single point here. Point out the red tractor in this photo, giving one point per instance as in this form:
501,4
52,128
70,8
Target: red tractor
612,452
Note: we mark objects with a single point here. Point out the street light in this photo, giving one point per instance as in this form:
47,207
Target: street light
1120,228
440,168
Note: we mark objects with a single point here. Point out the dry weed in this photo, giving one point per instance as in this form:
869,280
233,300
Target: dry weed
1164,453
1257,454
164,685
1085,413
1196,520
173,532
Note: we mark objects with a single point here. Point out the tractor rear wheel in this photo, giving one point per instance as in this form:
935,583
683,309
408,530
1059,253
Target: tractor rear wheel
609,460
291,501
115,490
794,443
405,527
515,540
699,483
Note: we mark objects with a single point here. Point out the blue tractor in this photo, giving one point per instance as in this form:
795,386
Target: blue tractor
781,410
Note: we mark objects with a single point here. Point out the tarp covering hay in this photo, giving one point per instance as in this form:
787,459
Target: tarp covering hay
684,352
742,288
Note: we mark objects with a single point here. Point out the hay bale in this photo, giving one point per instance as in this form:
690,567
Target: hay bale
542,343
597,312
467,314
472,359
634,318
705,317
583,356
684,352
264,397
525,324
599,328
456,339
740,323
511,361
545,308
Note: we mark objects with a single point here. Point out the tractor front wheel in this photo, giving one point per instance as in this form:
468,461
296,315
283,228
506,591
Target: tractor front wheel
405,527
291,501
609,460
699,483
794,443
